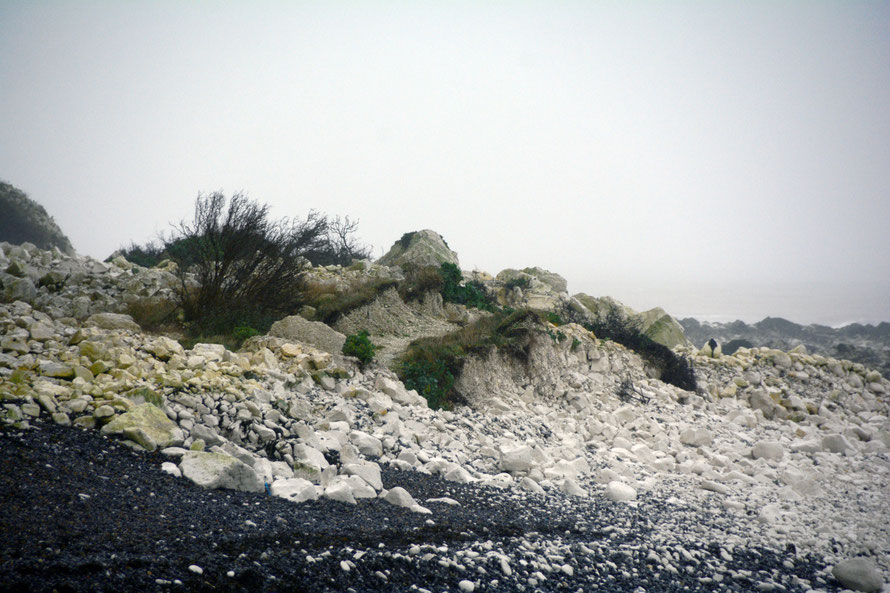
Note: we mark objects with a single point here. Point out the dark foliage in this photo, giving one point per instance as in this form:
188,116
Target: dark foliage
433,378
147,256
471,294
627,392
520,281
24,220
676,370
405,240
360,346
333,242
431,365
247,267
554,319
340,246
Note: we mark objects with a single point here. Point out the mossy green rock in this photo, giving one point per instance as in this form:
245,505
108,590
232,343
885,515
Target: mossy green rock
145,395
150,419
662,328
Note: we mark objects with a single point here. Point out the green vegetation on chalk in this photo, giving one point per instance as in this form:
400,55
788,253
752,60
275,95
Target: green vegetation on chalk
360,346
471,294
431,365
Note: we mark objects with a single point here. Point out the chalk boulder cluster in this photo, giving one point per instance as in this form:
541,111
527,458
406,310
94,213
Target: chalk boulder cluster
793,446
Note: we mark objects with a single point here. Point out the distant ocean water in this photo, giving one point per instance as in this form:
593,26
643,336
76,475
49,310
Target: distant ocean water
834,305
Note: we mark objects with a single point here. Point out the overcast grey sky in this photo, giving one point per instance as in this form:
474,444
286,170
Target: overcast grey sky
643,150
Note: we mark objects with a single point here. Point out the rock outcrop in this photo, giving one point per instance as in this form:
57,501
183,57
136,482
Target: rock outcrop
654,323
296,329
25,221
866,344
421,248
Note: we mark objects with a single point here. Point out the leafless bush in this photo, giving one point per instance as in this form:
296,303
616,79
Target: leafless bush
245,264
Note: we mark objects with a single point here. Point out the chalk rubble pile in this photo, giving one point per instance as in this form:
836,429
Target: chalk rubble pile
792,448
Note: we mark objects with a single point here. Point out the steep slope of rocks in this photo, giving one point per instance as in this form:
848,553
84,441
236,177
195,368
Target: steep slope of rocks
781,455
26,221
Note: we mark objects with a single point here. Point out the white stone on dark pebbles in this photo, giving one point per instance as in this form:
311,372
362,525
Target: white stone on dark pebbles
620,492
858,574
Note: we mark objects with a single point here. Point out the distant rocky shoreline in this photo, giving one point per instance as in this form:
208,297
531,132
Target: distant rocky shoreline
866,344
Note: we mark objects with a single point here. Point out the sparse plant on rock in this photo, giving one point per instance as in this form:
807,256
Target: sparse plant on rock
243,332
675,369
554,319
519,282
419,280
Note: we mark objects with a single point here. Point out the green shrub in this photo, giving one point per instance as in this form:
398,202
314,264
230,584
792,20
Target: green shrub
360,346
471,294
243,332
147,256
431,365
433,379
554,318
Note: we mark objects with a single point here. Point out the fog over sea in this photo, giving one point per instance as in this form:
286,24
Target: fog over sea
806,303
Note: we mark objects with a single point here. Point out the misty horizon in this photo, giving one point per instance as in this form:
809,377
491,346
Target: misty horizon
719,161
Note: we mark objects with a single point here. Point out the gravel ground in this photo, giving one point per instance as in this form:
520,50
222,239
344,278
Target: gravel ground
79,512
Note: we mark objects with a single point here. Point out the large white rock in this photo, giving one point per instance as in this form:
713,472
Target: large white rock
368,445
397,392
571,487
620,492
153,423
218,470
859,574
458,474
368,471
295,489
836,443
696,437
310,455
315,333
341,491
530,485
400,497
771,450
421,248
760,400
112,321
360,488
516,459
